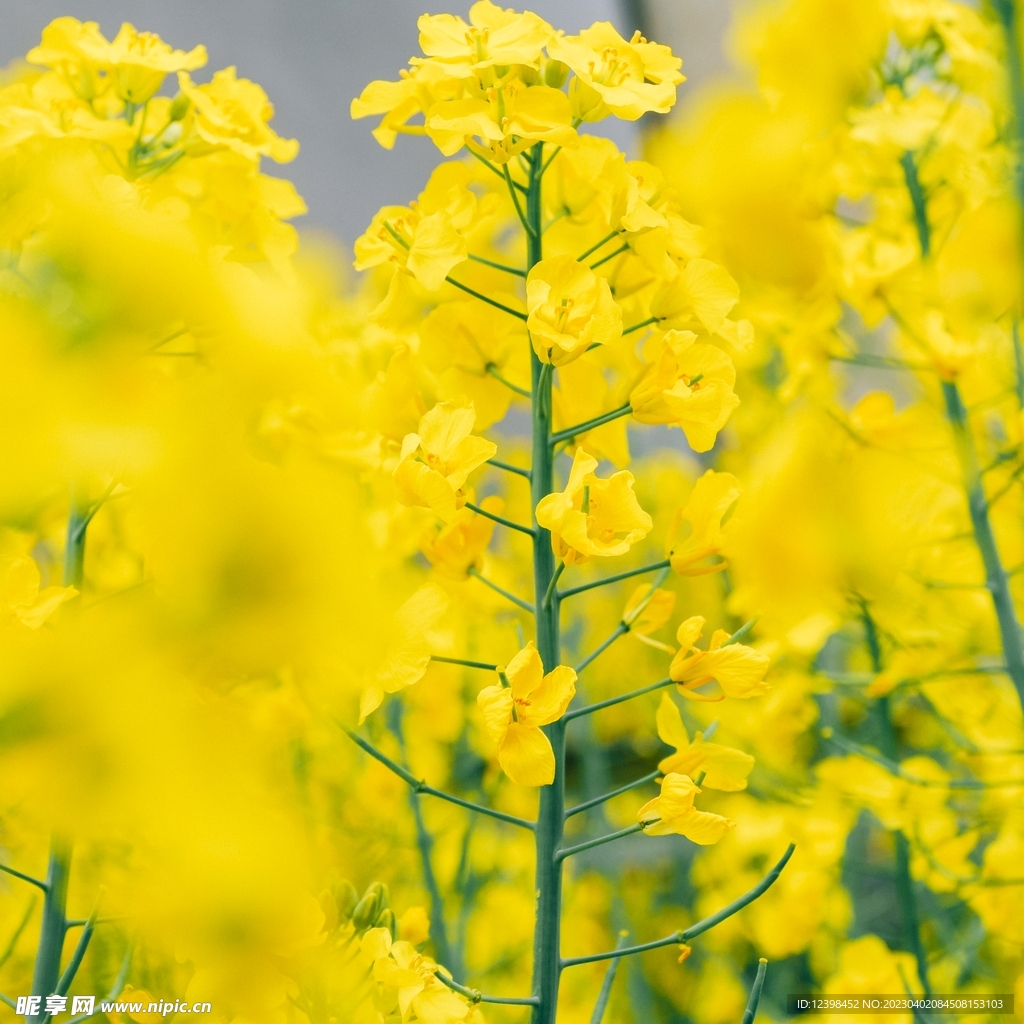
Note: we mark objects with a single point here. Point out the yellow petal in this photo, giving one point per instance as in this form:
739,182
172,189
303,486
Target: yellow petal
670,725
547,703
495,703
525,671
689,632
526,757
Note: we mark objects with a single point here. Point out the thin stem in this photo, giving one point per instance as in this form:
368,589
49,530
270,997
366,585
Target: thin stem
587,804
547,163
8,1000
78,955
919,203
1018,362
475,996
422,787
607,238
493,371
530,230
643,323
606,986
498,266
996,578
881,362
601,840
694,929
500,519
755,992
620,629
517,601
487,163
604,259
509,468
425,842
550,592
589,709
582,428
6,954
614,579
487,666
484,298
24,877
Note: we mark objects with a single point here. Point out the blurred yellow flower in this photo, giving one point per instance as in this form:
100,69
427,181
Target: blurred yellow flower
456,547
738,670
513,715
672,812
726,768
435,463
20,594
646,610
141,61
593,517
570,309
712,497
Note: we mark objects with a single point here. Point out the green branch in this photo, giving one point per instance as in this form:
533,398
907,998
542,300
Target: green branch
643,323
601,840
485,298
509,468
25,878
486,665
493,371
517,601
619,630
421,787
498,266
475,996
610,256
528,530
529,228
6,954
694,929
635,784
597,421
78,955
589,709
607,238
755,992
664,563
606,986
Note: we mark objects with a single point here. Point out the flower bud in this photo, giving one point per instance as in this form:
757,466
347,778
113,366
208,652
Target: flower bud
179,106
346,898
386,919
555,73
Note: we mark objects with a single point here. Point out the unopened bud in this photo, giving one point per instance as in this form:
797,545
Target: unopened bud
555,73
346,898
179,107
386,919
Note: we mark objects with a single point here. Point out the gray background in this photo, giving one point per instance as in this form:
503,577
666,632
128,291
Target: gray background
314,56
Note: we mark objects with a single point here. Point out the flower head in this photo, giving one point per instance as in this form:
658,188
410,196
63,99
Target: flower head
233,112
690,387
435,463
725,767
570,308
647,610
513,715
141,61
593,517
456,547
673,813
739,670
712,497
613,76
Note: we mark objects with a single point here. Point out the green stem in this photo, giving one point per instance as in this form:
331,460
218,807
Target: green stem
550,592
23,877
550,820
755,992
493,371
508,467
919,202
486,665
425,842
996,578
6,954
517,601
601,840
643,323
589,709
1018,362
79,516
498,266
606,986
604,259
664,563
695,929
1007,13
78,955
587,804
619,630
607,238
485,298
582,428
531,230
500,519
421,787
475,996
54,924
905,894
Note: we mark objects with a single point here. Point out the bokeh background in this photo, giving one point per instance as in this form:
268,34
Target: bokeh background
314,56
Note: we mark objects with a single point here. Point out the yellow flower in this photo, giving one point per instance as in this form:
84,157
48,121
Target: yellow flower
647,610
234,112
673,813
507,119
627,79
141,61
701,295
690,387
738,669
20,595
712,497
726,768
435,463
513,715
593,516
78,51
492,37
458,546
570,308
407,654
